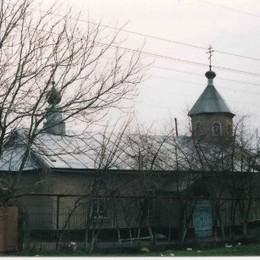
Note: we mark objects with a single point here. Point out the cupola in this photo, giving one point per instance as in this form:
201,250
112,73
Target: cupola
211,117
54,123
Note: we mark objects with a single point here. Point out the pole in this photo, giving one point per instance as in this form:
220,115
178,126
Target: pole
176,126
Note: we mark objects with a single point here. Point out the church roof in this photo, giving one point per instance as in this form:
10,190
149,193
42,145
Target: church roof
115,152
210,101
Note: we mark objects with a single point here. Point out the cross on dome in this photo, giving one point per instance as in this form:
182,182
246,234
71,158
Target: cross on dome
210,52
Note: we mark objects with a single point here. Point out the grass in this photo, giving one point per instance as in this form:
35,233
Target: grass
241,250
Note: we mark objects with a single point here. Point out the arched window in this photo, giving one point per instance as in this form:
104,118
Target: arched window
198,129
216,129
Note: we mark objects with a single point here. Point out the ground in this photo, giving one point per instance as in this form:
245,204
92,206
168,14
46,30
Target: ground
238,249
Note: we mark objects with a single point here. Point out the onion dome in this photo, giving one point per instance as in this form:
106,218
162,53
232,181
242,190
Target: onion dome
210,74
53,96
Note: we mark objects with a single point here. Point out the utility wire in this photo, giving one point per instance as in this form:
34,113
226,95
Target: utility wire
229,8
154,37
198,74
196,83
186,61
180,43
160,56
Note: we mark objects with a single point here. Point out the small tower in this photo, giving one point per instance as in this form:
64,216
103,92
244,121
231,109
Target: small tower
211,118
54,122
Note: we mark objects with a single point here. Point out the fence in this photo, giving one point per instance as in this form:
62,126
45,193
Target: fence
56,221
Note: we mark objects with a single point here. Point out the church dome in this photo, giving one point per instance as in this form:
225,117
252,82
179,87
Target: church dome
53,96
210,101
210,74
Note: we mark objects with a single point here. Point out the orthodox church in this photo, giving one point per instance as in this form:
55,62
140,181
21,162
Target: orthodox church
121,184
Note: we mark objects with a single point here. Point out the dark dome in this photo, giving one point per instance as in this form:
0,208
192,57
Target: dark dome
53,97
210,74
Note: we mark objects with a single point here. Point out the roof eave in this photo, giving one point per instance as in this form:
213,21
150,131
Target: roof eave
211,113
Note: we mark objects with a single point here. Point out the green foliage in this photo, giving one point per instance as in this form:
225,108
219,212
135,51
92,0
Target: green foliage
239,250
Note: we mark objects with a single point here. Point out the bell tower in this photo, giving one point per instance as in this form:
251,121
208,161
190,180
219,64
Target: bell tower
211,118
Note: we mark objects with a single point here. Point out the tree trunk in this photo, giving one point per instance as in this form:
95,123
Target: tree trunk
138,237
93,240
86,239
151,234
244,229
119,235
169,233
184,233
131,236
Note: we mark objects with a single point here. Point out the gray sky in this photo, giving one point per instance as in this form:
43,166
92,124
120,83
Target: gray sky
174,84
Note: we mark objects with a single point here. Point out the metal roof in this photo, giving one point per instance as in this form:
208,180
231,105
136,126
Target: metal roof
124,152
210,101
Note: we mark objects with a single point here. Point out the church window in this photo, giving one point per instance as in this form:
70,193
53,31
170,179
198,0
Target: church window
216,129
198,129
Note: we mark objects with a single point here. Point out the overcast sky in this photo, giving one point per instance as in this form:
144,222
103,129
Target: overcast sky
186,29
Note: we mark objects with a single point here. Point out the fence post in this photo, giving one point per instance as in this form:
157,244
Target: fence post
57,220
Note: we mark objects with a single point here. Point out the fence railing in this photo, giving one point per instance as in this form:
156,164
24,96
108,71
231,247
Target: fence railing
59,221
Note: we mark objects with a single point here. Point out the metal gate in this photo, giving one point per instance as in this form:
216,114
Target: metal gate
202,219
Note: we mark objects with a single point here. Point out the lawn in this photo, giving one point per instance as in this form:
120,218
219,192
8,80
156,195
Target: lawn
237,250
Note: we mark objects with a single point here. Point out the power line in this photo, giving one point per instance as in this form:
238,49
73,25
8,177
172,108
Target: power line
167,57
155,37
198,74
181,43
229,8
162,56
196,83
187,61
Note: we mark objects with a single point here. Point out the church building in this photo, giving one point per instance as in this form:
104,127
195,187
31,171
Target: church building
164,186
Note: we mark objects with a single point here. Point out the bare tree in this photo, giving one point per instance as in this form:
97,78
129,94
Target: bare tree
80,71
229,175
224,173
101,192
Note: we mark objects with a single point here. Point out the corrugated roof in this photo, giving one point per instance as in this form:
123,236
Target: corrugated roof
117,151
210,101
62,151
